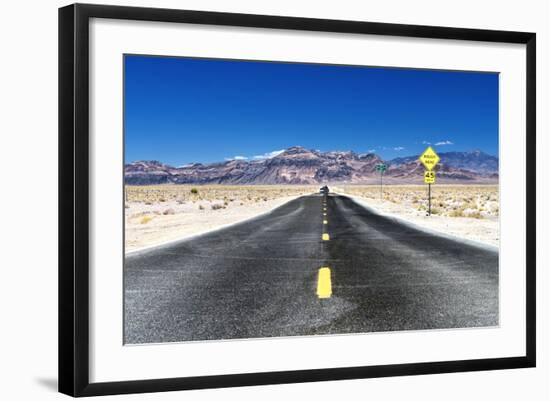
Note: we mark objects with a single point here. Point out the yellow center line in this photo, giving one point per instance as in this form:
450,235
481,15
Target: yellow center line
324,285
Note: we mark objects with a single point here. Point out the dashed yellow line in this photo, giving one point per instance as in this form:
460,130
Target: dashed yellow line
324,285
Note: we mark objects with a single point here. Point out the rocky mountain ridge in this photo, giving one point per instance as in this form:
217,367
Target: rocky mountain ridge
301,166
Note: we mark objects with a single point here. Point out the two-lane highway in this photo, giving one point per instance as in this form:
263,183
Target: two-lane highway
316,265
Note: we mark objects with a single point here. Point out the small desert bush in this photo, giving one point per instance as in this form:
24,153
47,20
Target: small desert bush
217,206
194,191
435,210
475,215
146,219
457,213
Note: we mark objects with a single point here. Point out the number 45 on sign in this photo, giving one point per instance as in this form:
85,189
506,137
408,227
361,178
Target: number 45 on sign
429,177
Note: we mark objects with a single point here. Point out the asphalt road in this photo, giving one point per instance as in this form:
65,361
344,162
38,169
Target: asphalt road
261,278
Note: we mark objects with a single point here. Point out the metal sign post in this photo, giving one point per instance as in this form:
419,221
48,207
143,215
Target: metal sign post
429,159
429,199
382,168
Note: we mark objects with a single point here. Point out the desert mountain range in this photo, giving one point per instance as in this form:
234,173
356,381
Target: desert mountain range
298,165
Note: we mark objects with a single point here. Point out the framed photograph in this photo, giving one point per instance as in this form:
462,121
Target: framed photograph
250,199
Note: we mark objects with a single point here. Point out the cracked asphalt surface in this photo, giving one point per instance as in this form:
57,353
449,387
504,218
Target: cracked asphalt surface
259,278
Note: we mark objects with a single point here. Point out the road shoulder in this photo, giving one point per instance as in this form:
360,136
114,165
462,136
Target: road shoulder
475,232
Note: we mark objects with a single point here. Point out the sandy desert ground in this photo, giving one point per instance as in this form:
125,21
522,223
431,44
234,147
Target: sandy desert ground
162,213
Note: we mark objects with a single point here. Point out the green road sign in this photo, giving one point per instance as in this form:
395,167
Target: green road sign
381,167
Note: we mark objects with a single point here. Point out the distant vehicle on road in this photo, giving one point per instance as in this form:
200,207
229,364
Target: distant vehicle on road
324,190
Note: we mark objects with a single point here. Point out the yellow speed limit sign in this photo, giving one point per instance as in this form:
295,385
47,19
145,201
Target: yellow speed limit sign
429,177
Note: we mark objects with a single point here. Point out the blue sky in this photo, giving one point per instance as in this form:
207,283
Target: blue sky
183,110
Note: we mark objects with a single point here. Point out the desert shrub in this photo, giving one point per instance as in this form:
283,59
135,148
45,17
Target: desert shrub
217,206
475,215
194,191
168,211
201,207
457,213
146,219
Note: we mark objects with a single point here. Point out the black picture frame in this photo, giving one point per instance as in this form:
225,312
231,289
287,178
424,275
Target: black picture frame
74,198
